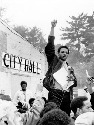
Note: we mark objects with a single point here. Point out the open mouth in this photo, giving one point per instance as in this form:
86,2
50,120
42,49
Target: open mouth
64,56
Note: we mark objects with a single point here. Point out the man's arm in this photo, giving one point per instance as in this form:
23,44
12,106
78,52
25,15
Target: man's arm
50,48
53,25
50,54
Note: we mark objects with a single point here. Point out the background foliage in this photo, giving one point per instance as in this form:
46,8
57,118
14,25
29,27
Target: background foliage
80,36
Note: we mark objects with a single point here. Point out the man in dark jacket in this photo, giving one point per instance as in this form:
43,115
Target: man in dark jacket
60,78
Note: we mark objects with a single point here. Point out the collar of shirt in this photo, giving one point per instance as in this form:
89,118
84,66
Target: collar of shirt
65,65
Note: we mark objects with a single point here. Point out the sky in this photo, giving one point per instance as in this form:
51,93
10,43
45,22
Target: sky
40,13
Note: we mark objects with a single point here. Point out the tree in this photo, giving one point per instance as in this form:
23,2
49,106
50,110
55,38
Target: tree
2,12
21,30
75,57
36,37
33,35
80,34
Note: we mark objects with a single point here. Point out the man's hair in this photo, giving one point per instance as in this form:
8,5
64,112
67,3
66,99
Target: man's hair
55,117
63,47
48,107
78,103
23,82
31,100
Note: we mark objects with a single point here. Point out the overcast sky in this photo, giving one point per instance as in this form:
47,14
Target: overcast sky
41,12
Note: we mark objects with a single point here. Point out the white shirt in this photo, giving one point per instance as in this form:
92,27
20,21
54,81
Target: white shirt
61,77
85,119
22,96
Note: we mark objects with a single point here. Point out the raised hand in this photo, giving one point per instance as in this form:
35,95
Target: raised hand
53,23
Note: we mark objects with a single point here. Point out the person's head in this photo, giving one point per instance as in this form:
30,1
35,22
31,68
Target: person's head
63,52
48,107
23,85
31,101
80,105
55,117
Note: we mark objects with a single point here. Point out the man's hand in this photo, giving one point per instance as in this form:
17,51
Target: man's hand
53,23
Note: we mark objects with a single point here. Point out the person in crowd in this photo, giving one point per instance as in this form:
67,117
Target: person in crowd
55,117
32,116
80,105
85,119
47,107
60,78
21,97
31,101
9,113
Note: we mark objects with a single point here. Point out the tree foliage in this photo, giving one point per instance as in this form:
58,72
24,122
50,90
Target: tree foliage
80,35
2,12
33,35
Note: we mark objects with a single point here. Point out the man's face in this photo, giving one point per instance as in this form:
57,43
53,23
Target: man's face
63,54
24,87
86,107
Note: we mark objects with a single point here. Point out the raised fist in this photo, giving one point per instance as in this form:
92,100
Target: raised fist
53,23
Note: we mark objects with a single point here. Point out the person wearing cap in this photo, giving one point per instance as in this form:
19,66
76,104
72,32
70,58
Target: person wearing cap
22,96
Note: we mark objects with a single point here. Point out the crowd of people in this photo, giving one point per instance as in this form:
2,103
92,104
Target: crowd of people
60,108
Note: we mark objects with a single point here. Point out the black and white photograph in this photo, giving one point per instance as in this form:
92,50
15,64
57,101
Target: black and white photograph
46,62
